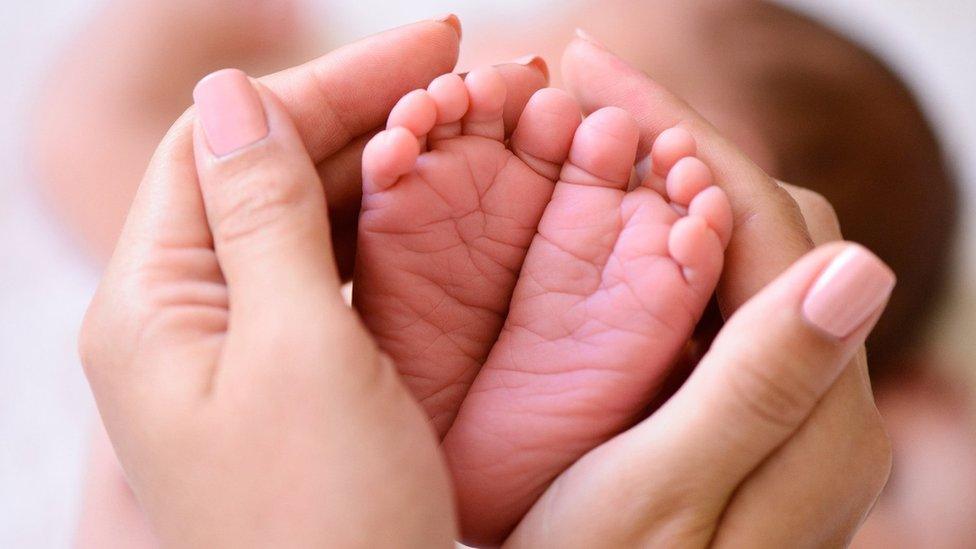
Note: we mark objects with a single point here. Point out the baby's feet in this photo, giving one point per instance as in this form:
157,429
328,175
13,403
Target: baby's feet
448,214
612,287
610,291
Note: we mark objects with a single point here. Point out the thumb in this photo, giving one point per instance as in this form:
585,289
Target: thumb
263,199
774,360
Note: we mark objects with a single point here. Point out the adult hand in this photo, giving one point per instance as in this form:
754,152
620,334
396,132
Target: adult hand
246,402
183,341
775,439
340,100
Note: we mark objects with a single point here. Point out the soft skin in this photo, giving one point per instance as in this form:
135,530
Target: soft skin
232,374
830,464
165,296
534,250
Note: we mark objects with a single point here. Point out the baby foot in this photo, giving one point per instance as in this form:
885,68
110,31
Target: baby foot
610,291
448,214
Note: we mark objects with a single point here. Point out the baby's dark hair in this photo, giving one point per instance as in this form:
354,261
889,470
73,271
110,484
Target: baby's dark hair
837,120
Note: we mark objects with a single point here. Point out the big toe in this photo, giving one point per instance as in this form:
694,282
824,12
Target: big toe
603,150
545,131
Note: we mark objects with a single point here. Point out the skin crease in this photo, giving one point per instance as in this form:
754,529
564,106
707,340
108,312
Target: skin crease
443,237
335,135
724,160
823,485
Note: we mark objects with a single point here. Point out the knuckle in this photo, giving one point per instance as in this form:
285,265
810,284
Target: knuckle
771,388
255,200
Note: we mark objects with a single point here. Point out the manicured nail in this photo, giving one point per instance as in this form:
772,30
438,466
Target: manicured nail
851,289
536,62
583,35
230,111
451,20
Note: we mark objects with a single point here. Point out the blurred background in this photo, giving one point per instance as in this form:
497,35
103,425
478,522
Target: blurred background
869,102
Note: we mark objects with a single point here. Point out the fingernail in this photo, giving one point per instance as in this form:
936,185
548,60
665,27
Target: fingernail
230,111
852,288
451,20
583,35
536,62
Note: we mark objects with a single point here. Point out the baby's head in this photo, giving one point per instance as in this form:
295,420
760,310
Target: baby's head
817,110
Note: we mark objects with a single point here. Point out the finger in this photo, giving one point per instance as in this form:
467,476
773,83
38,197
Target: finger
163,246
769,232
350,91
341,173
772,362
818,214
823,481
263,200
341,169
819,482
764,374
333,99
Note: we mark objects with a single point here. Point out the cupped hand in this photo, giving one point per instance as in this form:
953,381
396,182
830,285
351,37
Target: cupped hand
248,405
774,440
245,400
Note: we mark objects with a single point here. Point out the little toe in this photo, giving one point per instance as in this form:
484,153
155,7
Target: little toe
688,177
545,131
486,108
451,97
415,111
697,248
713,206
389,155
603,150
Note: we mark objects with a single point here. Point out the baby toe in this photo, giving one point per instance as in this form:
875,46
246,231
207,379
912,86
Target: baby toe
698,250
389,155
415,111
450,96
486,108
671,146
687,178
713,206
603,150
545,131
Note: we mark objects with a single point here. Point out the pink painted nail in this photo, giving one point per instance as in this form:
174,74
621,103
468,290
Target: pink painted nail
583,35
230,111
852,288
451,20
